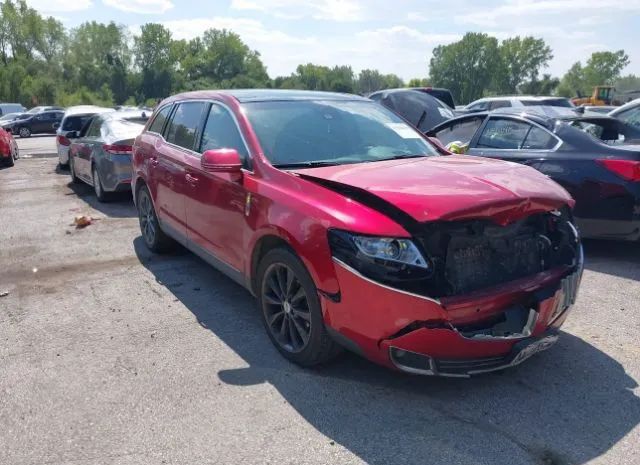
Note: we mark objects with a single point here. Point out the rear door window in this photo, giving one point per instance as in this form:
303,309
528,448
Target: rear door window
503,134
462,131
183,128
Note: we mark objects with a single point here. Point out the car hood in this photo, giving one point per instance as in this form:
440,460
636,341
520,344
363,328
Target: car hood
445,187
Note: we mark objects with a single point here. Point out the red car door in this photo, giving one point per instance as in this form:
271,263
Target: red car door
215,202
167,166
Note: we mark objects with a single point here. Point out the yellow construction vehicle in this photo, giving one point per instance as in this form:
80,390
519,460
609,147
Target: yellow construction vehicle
602,95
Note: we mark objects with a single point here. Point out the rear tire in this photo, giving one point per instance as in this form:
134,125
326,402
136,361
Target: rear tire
291,310
72,172
10,161
154,237
101,195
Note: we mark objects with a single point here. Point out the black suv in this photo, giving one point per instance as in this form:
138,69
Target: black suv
45,122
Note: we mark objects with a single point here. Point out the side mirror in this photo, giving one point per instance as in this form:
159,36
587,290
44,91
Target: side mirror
72,135
223,161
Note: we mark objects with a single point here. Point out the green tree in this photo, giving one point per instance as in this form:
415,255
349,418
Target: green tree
418,82
467,67
154,55
545,86
602,68
521,61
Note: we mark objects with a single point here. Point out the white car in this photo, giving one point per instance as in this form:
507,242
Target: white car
628,113
74,120
493,103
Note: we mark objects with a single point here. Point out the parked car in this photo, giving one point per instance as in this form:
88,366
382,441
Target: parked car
74,119
418,108
36,110
8,148
518,101
596,158
444,95
628,113
45,122
6,108
9,118
353,230
100,154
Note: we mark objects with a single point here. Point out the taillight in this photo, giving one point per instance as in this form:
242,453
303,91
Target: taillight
627,169
62,140
118,149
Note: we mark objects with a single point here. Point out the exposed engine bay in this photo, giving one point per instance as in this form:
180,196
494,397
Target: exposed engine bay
472,255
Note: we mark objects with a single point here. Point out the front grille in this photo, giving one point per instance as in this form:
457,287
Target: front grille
463,367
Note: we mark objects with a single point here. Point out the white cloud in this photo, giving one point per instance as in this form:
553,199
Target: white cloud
519,9
62,6
332,10
141,6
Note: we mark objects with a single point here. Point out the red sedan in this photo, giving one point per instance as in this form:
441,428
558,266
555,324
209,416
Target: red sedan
8,148
353,230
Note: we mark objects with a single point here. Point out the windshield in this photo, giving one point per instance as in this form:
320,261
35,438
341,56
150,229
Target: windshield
304,133
550,102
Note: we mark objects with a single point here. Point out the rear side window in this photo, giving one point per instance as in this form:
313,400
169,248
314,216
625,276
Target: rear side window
460,132
75,123
503,134
221,132
499,104
160,119
184,124
94,129
539,139
630,116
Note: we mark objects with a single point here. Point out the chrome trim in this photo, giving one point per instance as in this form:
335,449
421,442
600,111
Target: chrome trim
361,276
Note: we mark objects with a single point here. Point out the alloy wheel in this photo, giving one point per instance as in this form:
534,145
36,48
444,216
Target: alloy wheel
147,220
286,308
97,186
25,132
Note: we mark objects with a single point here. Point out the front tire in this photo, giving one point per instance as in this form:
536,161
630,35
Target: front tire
154,237
24,133
291,310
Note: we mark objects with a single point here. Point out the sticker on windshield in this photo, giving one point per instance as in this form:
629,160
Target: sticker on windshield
403,130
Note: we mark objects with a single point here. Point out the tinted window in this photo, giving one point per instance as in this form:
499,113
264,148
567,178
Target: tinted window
337,132
75,123
503,134
221,132
480,106
460,132
160,119
550,102
94,128
499,104
539,139
184,124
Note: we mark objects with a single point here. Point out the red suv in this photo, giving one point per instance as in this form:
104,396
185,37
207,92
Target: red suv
353,230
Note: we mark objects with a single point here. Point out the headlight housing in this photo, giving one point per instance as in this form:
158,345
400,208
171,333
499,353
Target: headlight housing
392,261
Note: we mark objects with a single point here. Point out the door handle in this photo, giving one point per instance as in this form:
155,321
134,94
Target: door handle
191,179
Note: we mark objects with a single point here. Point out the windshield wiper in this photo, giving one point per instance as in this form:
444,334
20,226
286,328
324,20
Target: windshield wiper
307,164
401,157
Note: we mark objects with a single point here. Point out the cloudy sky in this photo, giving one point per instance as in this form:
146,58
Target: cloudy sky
393,36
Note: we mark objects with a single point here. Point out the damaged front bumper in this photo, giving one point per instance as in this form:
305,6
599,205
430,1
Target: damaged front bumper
481,332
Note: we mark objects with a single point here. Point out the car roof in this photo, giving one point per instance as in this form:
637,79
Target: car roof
626,106
86,109
126,114
264,95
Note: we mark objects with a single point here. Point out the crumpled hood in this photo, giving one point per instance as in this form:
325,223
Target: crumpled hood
449,187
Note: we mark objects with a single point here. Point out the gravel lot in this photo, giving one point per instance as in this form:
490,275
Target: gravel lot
37,146
111,355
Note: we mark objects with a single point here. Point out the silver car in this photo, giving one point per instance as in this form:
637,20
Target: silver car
74,119
100,154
